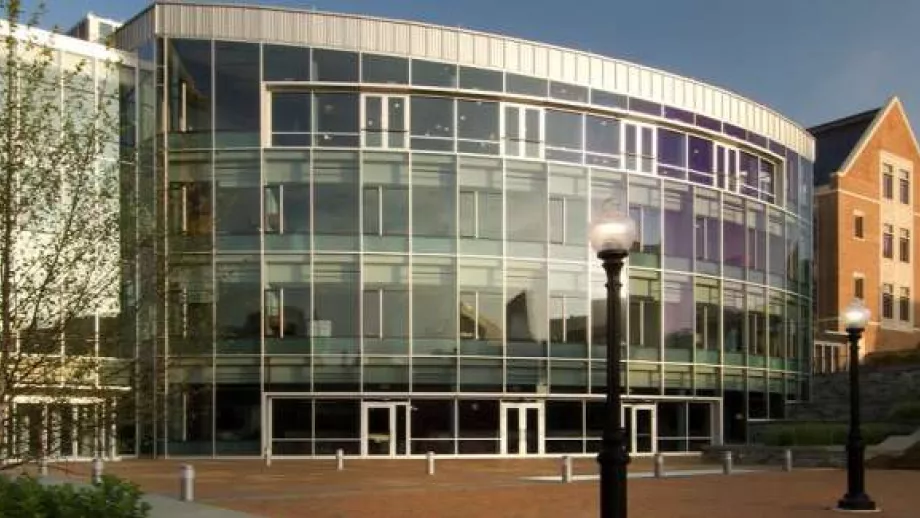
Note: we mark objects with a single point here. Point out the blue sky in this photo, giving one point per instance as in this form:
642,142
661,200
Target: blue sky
812,60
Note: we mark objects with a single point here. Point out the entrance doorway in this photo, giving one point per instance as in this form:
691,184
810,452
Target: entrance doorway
522,428
640,424
385,428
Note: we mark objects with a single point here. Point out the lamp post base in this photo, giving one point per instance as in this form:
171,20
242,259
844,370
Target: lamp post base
859,502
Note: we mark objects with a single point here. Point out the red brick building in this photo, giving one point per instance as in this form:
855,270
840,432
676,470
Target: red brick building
867,214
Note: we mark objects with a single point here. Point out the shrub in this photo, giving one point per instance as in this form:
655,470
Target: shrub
825,434
26,497
906,412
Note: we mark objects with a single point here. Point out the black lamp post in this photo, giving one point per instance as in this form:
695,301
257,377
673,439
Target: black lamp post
856,316
611,238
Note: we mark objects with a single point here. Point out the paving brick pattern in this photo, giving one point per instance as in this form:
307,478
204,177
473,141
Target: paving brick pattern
498,488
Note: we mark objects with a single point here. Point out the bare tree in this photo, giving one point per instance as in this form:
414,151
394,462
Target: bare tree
60,264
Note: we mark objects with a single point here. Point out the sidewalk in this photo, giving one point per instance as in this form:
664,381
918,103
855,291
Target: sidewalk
509,488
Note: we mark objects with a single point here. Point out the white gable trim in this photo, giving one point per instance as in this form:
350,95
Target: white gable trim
867,135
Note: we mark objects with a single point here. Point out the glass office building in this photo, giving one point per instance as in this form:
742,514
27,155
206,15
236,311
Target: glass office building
371,235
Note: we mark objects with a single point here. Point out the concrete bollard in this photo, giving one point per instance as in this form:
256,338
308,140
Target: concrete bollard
659,465
339,459
567,468
187,483
727,463
430,457
43,467
96,472
787,460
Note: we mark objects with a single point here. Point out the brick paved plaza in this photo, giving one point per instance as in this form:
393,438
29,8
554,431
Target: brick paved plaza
500,488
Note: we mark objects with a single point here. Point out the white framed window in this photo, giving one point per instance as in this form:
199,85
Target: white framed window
888,241
290,119
639,147
726,165
887,181
859,221
887,301
904,304
523,133
384,121
286,208
904,186
859,286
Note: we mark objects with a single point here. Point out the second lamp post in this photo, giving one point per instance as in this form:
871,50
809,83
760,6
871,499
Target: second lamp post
855,317
611,237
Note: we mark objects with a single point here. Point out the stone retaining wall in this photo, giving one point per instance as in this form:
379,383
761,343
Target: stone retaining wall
882,388
802,456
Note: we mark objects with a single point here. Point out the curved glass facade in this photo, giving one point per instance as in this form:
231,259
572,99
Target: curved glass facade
389,255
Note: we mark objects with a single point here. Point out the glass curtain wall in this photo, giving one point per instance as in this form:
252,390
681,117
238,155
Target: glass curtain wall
337,242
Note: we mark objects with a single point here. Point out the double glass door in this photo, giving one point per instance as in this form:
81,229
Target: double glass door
385,428
523,428
639,421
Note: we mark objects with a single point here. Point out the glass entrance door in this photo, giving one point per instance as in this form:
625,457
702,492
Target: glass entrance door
384,428
641,429
522,428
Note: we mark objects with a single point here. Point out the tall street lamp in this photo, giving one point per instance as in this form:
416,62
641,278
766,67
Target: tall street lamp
611,237
855,316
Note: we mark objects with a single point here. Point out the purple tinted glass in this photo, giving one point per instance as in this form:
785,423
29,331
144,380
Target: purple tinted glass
672,148
708,123
700,154
777,148
608,99
757,140
749,168
642,106
678,114
735,131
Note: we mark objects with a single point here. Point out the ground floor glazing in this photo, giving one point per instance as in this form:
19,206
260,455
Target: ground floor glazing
394,425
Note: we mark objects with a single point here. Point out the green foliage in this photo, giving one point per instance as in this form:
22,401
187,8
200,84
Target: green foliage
825,434
26,497
906,412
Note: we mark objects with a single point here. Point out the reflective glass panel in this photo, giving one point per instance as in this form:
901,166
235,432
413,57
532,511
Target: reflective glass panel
432,123
237,97
285,63
430,73
602,141
526,205
477,127
678,318
335,177
568,92
384,69
678,226
564,131
433,194
526,85
336,120
434,292
645,211
335,66
480,79
190,93
644,327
